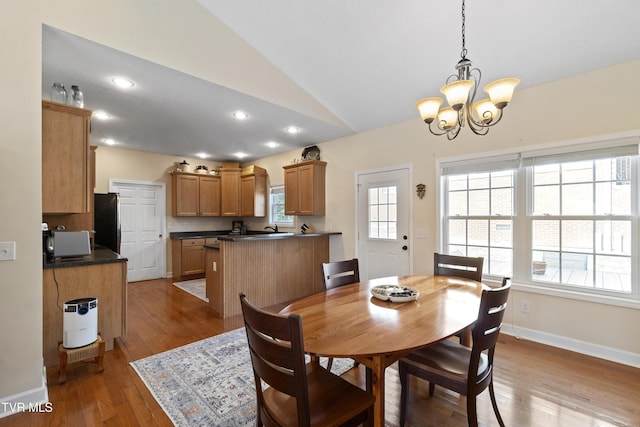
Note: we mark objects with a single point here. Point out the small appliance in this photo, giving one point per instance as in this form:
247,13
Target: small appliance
62,244
80,322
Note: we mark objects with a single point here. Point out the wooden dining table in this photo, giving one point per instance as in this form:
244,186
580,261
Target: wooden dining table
349,322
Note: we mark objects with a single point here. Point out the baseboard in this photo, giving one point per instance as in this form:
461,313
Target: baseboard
590,349
34,400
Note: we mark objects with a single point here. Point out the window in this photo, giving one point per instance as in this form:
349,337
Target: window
556,218
276,207
383,212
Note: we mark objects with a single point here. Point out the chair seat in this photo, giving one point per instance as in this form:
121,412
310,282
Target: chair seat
446,358
329,395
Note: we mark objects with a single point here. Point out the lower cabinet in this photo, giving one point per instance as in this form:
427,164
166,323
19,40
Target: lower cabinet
188,257
106,282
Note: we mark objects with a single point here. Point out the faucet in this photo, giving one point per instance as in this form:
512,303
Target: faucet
275,228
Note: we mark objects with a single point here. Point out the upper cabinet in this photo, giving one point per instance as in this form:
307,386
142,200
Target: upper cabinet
304,188
66,177
233,192
194,195
253,191
230,193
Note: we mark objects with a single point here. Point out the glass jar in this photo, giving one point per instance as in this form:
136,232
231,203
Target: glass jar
58,93
76,97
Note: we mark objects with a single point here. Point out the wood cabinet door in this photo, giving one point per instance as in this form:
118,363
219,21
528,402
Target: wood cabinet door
209,196
185,195
192,256
291,202
65,159
247,190
305,190
230,192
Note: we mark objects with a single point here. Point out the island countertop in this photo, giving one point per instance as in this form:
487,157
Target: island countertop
98,256
270,236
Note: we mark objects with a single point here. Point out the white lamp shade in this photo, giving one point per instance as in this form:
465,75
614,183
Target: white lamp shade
428,108
501,91
485,111
447,118
457,93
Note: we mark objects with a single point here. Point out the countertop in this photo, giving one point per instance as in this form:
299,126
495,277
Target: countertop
98,256
227,236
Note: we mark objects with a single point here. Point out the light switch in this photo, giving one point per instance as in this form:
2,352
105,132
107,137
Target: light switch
7,251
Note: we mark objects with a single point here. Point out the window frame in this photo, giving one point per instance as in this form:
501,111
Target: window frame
522,218
287,224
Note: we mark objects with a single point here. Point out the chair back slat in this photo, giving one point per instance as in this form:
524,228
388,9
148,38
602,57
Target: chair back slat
340,273
459,266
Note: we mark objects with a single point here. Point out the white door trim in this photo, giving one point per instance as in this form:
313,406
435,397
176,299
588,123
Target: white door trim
407,166
115,182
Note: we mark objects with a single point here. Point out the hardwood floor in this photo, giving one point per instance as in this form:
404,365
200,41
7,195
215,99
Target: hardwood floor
536,385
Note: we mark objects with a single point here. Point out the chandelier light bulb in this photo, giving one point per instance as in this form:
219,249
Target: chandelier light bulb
485,111
447,118
457,93
428,108
501,91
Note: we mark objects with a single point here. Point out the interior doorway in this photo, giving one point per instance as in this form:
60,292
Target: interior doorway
383,217
143,225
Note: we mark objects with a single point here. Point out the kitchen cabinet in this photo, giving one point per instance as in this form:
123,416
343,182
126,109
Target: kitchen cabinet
188,257
230,191
195,195
304,188
66,175
253,191
105,281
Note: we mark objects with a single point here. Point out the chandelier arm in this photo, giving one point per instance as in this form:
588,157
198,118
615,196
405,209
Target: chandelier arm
436,133
453,133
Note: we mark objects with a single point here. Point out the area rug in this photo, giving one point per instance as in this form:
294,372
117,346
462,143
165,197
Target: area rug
209,382
196,287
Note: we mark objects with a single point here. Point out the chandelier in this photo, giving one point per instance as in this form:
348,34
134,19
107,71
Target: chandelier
460,91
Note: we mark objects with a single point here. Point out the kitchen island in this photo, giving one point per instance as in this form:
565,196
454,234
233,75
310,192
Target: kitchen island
269,268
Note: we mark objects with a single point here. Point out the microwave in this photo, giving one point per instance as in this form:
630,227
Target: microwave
61,244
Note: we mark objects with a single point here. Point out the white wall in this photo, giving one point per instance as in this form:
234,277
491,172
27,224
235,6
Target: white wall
178,34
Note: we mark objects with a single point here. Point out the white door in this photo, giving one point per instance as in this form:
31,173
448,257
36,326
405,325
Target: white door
384,244
142,217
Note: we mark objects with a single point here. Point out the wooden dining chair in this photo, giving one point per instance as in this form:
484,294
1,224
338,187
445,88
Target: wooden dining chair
459,266
340,273
467,371
299,394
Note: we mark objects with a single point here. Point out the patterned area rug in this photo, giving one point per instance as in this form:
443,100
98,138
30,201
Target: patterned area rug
209,382
195,287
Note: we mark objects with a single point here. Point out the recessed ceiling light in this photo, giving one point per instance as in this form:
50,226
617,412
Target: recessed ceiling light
272,144
240,155
202,155
291,129
122,82
102,115
240,115
109,141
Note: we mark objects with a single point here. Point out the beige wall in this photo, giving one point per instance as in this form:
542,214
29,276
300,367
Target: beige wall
180,35
174,33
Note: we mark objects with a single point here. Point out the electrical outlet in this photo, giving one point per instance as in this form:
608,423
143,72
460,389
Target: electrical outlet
525,306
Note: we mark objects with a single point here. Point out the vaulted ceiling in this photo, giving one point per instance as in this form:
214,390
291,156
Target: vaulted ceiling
365,61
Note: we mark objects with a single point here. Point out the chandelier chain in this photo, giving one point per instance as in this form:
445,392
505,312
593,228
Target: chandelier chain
463,53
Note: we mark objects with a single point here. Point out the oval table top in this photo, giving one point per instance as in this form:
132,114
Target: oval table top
349,322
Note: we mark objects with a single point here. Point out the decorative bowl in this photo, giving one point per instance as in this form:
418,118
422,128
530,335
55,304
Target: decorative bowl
395,293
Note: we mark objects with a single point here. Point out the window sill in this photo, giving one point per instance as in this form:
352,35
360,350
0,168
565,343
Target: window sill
627,302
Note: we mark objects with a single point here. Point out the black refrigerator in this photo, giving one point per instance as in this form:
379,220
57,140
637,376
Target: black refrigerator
106,211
